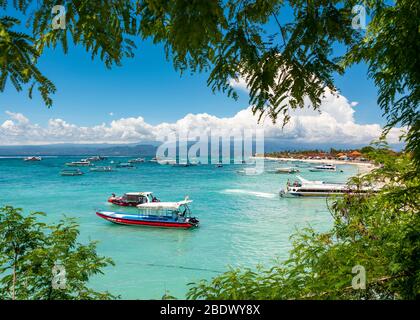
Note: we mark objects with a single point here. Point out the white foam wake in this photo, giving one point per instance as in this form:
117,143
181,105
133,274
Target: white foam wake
251,193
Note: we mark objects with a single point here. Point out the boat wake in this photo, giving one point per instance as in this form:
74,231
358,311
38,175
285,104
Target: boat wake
251,193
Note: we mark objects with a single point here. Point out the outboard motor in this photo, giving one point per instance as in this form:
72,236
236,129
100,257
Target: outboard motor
193,221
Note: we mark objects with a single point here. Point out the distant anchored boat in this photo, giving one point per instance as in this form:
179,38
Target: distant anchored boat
286,170
125,165
250,171
308,188
94,159
155,214
32,159
323,168
138,160
70,172
78,164
184,164
101,169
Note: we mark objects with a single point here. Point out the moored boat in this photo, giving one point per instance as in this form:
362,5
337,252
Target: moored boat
308,188
70,172
102,169
95,159
167,162
32,159
137,160
323,168
184,164
155,214
78,164
250,171
132,199
125,165
286,170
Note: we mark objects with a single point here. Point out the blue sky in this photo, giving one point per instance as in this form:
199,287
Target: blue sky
147,86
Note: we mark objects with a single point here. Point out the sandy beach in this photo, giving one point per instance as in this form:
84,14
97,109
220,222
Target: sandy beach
363,167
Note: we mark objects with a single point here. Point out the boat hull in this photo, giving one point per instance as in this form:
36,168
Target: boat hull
310,194
298,194
145,222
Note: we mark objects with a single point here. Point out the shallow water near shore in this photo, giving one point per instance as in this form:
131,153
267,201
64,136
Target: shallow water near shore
243,221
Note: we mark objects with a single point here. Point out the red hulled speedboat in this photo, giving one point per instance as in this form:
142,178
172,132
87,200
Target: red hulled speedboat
155,214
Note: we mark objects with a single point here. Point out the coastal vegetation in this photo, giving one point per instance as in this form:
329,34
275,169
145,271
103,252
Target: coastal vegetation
46,262
362,154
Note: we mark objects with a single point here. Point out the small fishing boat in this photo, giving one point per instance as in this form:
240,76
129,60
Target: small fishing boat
71,172
323,168
138,160
32,159
125,165
101,169
286,170
219,165
249,171
155,214
308,188
154,160
94,159
78,164
170,162
184,164
132,199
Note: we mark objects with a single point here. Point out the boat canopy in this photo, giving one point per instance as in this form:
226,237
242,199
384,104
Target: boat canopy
304,181
144,194
163,205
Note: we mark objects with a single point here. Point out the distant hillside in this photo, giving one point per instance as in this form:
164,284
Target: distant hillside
76,150
149,149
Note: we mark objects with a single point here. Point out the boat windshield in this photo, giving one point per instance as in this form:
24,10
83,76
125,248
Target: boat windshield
136,198
294,184
182,211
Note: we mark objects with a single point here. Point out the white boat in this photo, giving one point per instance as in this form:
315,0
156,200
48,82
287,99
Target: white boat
94,159
308,188
32,159
323,168
78,164
74,172
102,169
286,170
125,165
184,164
137,160
250,171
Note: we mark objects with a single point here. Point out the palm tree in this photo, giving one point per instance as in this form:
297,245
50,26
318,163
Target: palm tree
18,57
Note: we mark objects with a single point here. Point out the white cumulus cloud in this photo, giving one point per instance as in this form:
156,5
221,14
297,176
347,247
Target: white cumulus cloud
334,124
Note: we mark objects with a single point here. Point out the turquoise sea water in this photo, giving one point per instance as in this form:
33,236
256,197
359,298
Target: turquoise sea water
243,221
